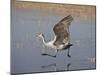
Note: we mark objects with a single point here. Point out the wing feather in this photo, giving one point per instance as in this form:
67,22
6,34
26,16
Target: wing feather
61,30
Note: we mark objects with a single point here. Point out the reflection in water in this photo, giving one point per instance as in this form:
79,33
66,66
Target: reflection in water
70,65
50,65
55,67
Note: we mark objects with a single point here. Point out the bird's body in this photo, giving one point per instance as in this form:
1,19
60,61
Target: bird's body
51,45
62,35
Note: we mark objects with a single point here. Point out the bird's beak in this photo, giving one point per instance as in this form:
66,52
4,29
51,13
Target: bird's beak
37,34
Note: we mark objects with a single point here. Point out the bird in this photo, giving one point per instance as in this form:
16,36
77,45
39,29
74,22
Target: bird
61,39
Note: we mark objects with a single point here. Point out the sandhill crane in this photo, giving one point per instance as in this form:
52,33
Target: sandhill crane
62,35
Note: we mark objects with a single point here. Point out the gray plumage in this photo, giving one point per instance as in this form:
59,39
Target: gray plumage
61,30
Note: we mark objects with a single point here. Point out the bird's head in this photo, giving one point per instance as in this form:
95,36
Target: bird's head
39,35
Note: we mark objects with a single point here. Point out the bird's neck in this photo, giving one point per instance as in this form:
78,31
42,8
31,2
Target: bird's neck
43,39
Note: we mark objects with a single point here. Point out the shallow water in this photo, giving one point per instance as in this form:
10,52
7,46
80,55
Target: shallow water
26,48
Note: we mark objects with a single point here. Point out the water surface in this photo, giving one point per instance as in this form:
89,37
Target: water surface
26,48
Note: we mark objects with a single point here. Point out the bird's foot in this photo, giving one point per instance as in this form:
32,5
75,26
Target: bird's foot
44,54
48,55
52,55
69,55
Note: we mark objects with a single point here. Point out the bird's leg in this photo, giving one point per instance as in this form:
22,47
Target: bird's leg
68,54
43,50
56,52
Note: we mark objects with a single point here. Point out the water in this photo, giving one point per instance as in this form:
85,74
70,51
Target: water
26,48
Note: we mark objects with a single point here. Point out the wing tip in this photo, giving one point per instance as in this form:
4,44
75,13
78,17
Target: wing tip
68,17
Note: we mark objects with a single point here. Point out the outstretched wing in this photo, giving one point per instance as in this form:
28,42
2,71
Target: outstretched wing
61,30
